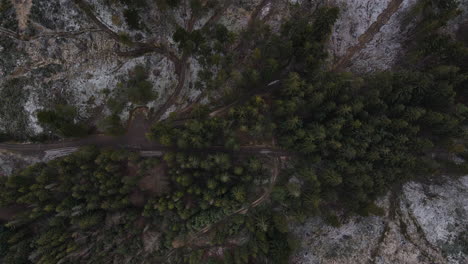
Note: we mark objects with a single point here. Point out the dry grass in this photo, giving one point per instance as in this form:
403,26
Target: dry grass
23,8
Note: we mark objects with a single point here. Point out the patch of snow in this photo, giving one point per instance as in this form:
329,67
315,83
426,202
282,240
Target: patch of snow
11,162
384,50
349,243
170,110
235,19
438,209
454,25
104,13
464,182
57,153
423,229
265,10
31,107
355,18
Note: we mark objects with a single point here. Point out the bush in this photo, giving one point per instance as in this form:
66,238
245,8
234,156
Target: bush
62,120
132,17
112,125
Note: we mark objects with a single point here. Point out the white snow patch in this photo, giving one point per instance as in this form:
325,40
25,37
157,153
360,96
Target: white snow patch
383,51
265,10
355,18
434,213
105,13
57,153
31,107
88,86
10,162
170,110
438,208
348,243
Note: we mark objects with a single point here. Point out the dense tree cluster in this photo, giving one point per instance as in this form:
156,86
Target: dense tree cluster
80,208
267,240
204,190
212,47
364,134
137,89
64,203
355,137
63,119
244,124
197,133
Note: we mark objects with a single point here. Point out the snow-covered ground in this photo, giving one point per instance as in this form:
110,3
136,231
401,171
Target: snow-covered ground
426,227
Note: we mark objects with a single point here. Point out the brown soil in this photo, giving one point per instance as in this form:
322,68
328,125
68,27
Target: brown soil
7,213
138,126
23,8
137,198
156,182
462,33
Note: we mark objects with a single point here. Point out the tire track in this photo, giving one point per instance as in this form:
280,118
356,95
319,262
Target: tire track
366,37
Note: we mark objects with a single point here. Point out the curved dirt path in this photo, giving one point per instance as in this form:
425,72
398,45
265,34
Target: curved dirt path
369,35
182,71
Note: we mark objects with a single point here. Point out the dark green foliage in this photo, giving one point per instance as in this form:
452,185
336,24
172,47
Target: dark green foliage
5,233
164,4
63,120
189,42
435,14
125,39
350,128
137,89
204,189
132,17
112,125
134,3
132,13
211,46
196,133
308,39
66,198
332,219
371,209
248,120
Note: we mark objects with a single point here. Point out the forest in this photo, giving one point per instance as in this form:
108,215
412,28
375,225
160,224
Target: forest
348,140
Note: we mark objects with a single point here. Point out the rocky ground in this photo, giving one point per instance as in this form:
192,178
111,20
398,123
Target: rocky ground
68,58
424,223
